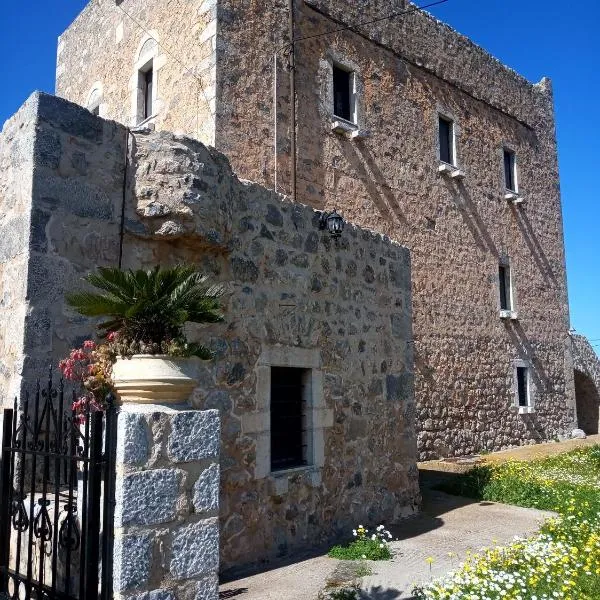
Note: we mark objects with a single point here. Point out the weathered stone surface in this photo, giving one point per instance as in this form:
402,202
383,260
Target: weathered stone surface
156,595
133,556
587,384
195,549
206,490
149,497
194,436
133,437
207,588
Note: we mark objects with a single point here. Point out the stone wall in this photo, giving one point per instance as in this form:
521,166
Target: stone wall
115,35
587,384
341,310
167,504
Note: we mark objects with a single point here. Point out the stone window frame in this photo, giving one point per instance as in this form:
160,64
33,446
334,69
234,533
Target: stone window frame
342,61
531,388
257,424
512,312
443,113
145,59
95,99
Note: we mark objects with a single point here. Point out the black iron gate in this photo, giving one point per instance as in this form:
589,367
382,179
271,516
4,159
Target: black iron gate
56,499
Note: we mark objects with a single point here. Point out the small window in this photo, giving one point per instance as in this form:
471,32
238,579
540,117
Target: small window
343,94
523,396
446,140
504,278
147,85
510,171
289,418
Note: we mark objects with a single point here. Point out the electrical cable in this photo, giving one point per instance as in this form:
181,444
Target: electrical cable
378,20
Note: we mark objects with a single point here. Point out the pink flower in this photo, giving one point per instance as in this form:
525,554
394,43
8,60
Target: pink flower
89,345
112,336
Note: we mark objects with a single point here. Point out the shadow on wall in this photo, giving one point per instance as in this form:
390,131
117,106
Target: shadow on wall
587,397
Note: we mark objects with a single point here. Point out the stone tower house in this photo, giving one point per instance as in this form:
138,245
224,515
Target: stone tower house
409,129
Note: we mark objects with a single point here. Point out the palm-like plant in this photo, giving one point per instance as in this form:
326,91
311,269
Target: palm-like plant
149,308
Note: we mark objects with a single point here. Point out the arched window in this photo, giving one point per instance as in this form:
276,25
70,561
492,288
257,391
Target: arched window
145,80
94,101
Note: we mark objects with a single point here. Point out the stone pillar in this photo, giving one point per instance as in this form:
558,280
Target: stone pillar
167,501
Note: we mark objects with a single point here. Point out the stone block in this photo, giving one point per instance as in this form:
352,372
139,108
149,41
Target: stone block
133,558
132,439
195,549
206,490
194,436
155,595
148,497
207,588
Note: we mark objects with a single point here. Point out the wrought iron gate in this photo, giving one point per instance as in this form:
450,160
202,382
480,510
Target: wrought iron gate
56,499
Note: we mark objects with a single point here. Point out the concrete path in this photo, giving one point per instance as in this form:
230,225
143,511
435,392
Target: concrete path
532,452
444,531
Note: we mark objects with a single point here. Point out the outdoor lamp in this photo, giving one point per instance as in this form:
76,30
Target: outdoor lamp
333,222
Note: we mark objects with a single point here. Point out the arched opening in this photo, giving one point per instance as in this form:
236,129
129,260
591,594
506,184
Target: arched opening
588,403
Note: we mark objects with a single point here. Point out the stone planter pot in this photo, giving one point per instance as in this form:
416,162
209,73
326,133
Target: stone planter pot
149,379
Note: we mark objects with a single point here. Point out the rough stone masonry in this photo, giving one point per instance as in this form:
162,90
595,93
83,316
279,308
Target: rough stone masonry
339,311
381,170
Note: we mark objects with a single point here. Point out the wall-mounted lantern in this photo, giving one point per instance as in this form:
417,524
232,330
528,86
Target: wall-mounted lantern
333,222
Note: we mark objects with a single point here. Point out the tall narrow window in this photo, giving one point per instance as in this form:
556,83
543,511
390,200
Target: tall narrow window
510,171
505,287
523,386
147,85
343,94
505,291
289,423
446,140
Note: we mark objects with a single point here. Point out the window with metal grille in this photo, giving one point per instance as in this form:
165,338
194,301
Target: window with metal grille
505,287
289,422
523,386
446,140
510,171
343,93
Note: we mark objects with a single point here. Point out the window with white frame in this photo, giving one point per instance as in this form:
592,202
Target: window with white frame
523,386
446,140
510,171
505,287
344,93
291,441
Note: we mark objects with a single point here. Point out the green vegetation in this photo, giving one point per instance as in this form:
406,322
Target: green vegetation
562,561
365,546
146,310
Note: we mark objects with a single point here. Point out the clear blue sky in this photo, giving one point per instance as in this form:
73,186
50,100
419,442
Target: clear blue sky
535,37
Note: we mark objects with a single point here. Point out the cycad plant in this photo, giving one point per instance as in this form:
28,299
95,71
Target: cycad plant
148,309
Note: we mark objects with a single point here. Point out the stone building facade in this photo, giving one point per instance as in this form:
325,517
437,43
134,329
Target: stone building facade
377,110
338,313
587,384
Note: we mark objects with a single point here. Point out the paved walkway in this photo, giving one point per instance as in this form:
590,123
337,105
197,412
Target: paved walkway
445,530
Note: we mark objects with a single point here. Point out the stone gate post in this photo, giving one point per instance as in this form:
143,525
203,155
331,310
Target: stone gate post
166,543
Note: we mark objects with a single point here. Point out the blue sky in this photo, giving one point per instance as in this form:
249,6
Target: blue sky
535,37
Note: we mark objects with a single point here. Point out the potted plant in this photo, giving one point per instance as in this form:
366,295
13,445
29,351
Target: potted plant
145,313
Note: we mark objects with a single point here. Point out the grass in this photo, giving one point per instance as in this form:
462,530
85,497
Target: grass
562,561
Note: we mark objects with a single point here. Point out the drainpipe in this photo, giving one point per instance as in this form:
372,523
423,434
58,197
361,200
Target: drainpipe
291,33
275,86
